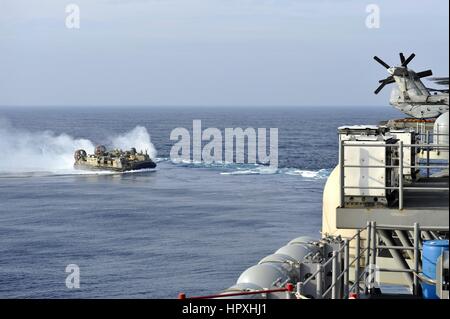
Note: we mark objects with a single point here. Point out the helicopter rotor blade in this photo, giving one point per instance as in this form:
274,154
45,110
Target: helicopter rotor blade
409,59
382,85
424,74
381,62
388,80
440,80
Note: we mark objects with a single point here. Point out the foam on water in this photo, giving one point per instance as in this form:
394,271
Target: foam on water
307,174
315,174
45,152
225,168
117,229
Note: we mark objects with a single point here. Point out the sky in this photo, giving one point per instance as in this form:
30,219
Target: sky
212,52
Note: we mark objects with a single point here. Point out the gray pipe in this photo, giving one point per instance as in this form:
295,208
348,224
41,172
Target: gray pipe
403,236
387,239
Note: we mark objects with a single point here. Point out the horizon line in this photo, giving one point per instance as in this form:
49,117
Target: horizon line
183,106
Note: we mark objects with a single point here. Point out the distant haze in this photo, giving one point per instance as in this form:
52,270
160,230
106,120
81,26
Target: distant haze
212,52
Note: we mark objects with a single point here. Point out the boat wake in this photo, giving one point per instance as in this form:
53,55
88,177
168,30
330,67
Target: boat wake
306,174
42,153
250,169
45,153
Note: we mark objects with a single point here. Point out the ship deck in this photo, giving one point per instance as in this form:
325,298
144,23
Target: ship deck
428,207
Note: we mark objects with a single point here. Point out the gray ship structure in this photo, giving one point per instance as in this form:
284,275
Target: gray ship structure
114,160
385,221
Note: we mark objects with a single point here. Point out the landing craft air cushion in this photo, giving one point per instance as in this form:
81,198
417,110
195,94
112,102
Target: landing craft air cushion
115,160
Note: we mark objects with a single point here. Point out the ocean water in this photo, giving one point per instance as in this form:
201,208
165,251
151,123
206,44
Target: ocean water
184,227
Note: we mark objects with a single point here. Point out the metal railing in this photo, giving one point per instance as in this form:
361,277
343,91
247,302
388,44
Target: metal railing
430,138
364,277
364,273
400,167
340,276
288,289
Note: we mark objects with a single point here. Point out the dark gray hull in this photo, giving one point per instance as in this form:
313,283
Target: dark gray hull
128,167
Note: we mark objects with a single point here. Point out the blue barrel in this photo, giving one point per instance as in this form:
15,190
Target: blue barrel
432,249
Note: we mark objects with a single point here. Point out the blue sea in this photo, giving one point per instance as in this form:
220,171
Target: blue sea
187,227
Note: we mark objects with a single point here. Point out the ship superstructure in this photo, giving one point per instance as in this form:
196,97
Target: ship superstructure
385,216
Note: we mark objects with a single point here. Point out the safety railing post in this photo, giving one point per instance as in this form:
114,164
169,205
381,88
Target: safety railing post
341,174
428,153
334,275
319,281
357,261
369,233
289,291
373,256
346,267
437,139
373,240
340,280
299,289
416,259
400,176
